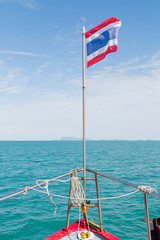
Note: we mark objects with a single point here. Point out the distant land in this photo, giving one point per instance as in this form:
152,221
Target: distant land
70,139
81,139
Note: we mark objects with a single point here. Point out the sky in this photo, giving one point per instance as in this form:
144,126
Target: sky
41,71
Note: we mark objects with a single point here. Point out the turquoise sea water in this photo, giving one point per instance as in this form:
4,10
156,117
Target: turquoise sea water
30,216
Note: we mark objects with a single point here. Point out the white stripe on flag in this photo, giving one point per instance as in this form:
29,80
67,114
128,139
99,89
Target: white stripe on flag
102,50
96,34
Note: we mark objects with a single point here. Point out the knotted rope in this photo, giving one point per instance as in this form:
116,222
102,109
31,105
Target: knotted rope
146,189
49,195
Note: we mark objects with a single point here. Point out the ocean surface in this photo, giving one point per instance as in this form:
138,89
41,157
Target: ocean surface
30,216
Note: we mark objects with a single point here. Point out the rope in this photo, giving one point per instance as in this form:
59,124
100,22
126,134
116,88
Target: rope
146,189
106,198
63,180
47,192
77,192
78,196
124,195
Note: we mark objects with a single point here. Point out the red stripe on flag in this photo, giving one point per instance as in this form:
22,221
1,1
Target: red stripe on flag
102,56
102,25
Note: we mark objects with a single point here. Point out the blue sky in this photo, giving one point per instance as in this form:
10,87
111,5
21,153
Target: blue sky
40,71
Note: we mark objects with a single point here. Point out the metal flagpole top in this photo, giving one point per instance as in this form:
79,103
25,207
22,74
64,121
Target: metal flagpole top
83,30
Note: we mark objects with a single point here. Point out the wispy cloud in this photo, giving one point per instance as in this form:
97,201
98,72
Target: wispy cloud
58,38
12,80
120,100
23,53
30,4
136,71
83,19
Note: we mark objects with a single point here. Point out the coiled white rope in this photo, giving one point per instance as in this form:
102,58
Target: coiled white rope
77,196
77,192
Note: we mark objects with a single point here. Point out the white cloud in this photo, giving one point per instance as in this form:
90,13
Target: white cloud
122,102
30,4
58,39
23,53
83,19
124,99
12,80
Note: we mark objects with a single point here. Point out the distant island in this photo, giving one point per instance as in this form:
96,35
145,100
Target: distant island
70,139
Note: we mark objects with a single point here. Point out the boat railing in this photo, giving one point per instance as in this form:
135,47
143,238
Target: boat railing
144,190
37,185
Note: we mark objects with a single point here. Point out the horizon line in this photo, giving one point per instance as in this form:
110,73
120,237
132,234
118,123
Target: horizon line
80,140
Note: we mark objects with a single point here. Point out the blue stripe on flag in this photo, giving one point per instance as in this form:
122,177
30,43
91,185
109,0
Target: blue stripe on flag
102,40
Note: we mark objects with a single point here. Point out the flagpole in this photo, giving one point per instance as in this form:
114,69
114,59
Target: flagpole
84,136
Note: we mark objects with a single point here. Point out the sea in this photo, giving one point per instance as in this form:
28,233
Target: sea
30,216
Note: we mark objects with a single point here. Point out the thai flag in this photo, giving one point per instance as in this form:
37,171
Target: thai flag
102,40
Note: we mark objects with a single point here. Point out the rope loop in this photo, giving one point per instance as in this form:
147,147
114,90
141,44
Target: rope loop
47,192
45,183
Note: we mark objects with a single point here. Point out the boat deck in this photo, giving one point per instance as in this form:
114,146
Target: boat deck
72,233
